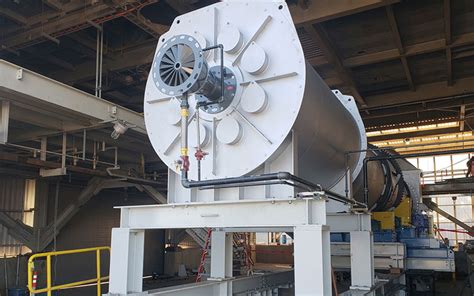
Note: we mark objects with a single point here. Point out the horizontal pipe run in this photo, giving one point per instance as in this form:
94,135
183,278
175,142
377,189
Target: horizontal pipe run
37,150
248,179
280,178
250,184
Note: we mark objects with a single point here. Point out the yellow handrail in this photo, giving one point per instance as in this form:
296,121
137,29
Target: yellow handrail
49,288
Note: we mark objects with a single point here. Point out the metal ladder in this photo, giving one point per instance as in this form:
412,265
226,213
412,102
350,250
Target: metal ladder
205,252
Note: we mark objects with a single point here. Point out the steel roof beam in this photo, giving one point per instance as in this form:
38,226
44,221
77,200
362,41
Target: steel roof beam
24,86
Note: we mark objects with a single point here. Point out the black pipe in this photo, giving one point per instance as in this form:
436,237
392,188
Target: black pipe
399,156
221,49
283,178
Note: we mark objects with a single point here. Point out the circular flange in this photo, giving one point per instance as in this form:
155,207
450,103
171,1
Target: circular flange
178,65
234,102
230,87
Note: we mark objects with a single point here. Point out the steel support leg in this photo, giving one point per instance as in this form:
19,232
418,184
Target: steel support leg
221,260
312,253
126,262
362,260
221,255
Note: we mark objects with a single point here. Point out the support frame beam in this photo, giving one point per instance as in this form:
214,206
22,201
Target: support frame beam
321,11
283,214
392,20
306,217
37,90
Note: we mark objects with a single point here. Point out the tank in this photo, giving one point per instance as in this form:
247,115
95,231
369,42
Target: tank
267,98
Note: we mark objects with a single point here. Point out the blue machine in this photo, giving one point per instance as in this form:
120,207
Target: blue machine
422,251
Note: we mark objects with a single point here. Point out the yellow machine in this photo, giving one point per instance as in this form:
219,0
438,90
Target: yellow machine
387,219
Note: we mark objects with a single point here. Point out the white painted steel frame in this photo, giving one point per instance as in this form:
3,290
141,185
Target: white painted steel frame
244,215
307,218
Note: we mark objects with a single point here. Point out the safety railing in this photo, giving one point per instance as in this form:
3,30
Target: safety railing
49,285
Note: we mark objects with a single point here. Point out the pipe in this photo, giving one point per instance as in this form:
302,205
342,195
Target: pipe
58,154
6,272
133,180
84,135
399,156
184,135
283,178
198,153
17,274
221,50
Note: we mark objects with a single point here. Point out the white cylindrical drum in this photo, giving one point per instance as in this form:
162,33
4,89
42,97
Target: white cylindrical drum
271,94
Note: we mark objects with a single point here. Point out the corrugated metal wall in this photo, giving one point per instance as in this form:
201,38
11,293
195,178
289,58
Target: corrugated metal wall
91,227
12,196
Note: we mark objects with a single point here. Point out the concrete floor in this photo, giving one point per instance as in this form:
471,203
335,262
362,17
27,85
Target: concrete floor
445,285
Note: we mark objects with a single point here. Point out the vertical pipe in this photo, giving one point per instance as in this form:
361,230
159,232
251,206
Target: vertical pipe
221,47
97,64
198,137
116,157
98,272
63,154
366,181
84,137
455,225
94,157
437,214
17,274
184,136
346,177
6,272
100,60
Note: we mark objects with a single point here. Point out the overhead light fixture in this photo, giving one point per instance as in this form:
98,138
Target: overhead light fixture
119,129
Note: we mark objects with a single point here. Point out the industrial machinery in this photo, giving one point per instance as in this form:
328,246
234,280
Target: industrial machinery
254,141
